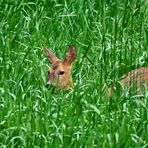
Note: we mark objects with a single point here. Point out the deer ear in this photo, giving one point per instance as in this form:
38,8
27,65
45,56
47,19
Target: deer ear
70,55
51,57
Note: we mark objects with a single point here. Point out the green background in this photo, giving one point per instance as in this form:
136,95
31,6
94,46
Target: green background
111,37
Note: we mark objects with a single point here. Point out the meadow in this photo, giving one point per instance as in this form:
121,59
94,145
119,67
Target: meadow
111,37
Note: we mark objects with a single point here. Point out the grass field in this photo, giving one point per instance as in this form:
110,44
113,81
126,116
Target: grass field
111,37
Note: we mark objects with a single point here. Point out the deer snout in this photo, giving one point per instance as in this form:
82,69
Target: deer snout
49,84
51,79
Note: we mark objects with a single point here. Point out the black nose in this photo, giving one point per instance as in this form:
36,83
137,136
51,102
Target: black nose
52,87
47,85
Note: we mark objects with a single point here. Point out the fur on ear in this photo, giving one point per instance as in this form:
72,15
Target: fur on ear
70,55
51,57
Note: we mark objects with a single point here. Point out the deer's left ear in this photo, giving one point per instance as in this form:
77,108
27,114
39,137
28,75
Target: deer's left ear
70,55
51,57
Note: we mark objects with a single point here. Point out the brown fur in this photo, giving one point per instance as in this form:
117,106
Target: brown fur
136,78
59,72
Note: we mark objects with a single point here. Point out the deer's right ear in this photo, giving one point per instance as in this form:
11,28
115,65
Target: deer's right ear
70,55
51,57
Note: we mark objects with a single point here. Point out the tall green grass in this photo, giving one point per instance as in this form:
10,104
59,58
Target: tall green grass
111,39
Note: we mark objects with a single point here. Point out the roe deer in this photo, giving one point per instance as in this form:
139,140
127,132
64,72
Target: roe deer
135,79
59,72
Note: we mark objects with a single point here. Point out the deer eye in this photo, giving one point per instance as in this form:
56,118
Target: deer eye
61,72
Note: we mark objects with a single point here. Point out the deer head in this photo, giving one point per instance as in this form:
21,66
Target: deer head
59,72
